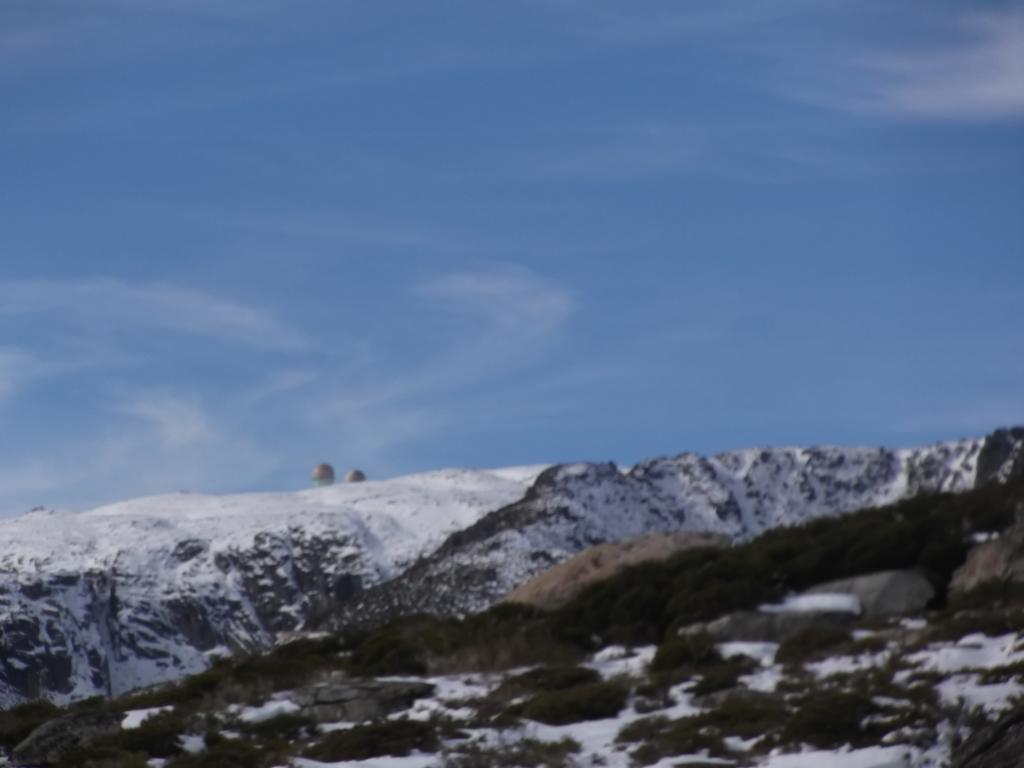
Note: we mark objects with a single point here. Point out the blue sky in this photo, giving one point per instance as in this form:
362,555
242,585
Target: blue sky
239,237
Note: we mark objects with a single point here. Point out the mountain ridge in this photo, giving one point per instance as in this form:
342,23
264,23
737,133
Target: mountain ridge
200,576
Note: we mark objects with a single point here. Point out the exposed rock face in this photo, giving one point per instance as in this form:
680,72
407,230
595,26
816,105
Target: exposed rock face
1000,745
886,593
145,591
738,494
999,560
54,739
759,627
353,700
556,586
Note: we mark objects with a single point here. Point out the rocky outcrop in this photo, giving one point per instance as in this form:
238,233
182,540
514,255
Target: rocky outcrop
738,494
999,745
885,593
357,700
147,591
998,560
558,585
59,737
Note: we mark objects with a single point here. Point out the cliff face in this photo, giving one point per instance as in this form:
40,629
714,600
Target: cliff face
739,494
149,590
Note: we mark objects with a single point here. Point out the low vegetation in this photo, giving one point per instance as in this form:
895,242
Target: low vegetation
395,738
646,604
594,701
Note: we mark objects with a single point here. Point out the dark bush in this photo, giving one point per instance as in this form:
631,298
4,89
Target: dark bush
810,642
685,651
551,679
229,753
157,736
830,719
723,676
103,757
387,652
643,603
393,737
18,722
283,727
743,716
596,701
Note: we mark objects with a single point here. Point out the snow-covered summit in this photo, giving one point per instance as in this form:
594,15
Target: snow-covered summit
140,591
148,590
391,522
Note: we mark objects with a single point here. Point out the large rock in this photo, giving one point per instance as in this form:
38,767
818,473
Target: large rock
762,627
558,585
56,738
356,700
1000,745
998,560
885,593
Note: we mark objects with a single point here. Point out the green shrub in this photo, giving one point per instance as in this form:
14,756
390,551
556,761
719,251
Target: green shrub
685,651
229,753
508,635
998,593
157,736
393,737
830,719
521,752
747,716
660,737
387,653
551,679
809,643
723,676
18,722
103,757
643,603
288,727
595,701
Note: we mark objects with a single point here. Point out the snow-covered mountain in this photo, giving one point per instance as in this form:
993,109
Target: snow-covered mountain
144,591
740,494
147,590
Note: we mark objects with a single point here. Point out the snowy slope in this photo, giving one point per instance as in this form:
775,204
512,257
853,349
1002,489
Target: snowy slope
147,590
141,591
740,494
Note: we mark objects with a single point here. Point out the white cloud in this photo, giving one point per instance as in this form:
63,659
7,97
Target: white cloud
176,422
980,78
510,317
153,305
162,443
18,368
515,303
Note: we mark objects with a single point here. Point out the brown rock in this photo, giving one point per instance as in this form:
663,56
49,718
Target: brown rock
999,560
558,585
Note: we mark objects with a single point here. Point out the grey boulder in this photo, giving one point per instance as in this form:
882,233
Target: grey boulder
56,738
884,593
357,700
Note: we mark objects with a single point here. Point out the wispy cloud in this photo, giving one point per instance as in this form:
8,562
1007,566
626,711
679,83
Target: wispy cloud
177,423
152,305
508,320
516,303
979,78
19,367
155,443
